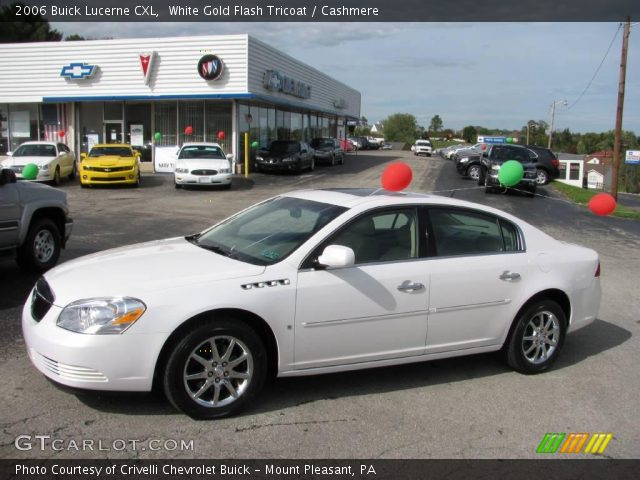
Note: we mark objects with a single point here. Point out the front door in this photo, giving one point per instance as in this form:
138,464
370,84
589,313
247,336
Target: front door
373,310
113,132
9,214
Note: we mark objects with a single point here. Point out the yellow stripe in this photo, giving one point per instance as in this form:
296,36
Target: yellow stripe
607,439
590,444
583,438
565,446
598,442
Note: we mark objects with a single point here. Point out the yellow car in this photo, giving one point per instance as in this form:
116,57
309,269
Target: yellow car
110,164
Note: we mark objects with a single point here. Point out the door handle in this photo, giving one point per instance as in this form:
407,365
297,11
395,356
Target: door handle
506,275
409,286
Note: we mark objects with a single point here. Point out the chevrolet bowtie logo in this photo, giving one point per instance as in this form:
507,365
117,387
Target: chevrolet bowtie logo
77,71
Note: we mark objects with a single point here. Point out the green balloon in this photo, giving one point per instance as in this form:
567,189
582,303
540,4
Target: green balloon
255,145
509,140
30,171
510,174
157,136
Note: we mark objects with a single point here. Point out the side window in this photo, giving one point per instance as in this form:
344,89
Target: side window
499,153
381,237
519,154
510,236
461,232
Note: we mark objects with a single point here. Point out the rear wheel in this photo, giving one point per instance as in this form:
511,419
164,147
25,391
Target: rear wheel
42,246
537,337
56,177
216,369
72,175
312,166
542,177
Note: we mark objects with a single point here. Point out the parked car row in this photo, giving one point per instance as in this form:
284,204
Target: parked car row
366,143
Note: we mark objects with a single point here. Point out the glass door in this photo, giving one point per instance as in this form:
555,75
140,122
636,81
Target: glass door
113,132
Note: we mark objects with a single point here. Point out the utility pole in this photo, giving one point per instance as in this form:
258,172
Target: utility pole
553,115
615,167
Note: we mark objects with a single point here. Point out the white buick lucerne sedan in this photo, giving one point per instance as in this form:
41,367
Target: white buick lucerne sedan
310,282
202,164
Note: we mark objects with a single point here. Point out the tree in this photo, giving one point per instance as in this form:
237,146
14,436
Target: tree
470,134
35,28
401,127
74,38
436,124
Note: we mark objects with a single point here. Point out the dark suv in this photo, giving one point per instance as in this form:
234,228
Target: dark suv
286,155
493,159
327,150
546,163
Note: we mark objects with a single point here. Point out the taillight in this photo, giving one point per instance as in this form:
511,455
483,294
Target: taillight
598,270
555,162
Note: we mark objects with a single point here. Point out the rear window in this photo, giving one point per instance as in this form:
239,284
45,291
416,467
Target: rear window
201,151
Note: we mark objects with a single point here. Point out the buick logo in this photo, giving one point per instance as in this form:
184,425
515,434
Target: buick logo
210,67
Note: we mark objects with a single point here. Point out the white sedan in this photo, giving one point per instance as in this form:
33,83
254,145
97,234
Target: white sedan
202,164
310,282
54,161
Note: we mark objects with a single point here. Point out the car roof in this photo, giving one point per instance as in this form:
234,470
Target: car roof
120,145
39,142
200,144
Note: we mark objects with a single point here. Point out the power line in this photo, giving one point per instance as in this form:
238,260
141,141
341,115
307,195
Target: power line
597,69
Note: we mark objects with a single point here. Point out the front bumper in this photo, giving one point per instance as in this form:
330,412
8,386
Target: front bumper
279,167
96,177
422,151
124,362
189,179
525,183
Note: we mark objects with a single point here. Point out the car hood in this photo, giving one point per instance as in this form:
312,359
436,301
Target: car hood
22,161
203,164
108,161
277,156
136,270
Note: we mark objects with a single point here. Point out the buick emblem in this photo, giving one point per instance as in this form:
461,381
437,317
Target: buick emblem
210,67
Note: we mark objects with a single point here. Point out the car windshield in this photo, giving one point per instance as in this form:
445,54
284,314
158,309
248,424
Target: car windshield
35,151
423,143
268,232
321,142
111,151
278,148
201,151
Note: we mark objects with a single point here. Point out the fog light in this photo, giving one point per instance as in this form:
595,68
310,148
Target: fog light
84,177
130,177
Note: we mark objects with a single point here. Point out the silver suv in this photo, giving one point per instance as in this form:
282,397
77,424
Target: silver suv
34,222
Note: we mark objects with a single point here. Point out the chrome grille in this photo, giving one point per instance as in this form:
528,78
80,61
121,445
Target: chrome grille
204,172
41,300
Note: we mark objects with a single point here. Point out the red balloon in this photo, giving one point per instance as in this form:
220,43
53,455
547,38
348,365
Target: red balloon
188,130
220,135
397,176
602,204
484,146
61,134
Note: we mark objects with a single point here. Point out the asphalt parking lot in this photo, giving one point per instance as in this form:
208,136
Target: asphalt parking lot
473,407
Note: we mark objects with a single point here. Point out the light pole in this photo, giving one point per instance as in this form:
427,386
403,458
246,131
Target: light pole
553,116
531,126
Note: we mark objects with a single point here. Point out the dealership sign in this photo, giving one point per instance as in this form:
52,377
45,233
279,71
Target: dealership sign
277,82
78,71
632,157
210,67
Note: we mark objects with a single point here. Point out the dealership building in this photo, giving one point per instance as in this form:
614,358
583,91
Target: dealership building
159,93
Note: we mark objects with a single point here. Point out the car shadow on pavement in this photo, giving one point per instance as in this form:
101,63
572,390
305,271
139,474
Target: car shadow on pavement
291,392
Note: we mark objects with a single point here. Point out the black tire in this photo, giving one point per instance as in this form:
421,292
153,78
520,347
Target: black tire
523,337
487,188
180,363
138,180
72,175
333,160
342,158
56,177
312,165
473,172
481,179
41,248
542,177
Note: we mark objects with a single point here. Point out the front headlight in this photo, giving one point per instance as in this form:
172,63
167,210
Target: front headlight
107,315
182,170
464,160
259,158
495,168
44,167
224,170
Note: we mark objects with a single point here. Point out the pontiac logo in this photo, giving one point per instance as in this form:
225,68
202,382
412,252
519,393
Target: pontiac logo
210,67
78,71
146,63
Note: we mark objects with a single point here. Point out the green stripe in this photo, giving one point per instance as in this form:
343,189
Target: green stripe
550,443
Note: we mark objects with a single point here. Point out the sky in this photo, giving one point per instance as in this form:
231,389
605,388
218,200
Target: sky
497,75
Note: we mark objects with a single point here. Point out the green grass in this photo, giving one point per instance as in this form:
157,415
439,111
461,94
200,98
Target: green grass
582,196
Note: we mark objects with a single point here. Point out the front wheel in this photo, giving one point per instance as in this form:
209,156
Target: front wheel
72,175
56,177
481,175
537,337
473,172
312,166
216,369
42,246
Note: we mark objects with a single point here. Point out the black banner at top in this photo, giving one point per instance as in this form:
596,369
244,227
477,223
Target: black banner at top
322,10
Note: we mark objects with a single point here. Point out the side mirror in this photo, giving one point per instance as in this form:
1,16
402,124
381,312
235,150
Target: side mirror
229,156
337,256
7,176
83,156
9,154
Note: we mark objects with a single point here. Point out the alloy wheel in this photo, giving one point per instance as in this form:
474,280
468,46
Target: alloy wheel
541,336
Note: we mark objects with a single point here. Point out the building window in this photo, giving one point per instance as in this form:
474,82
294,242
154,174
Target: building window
165,117
296,126
191,114
4,129
218,119
23,123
